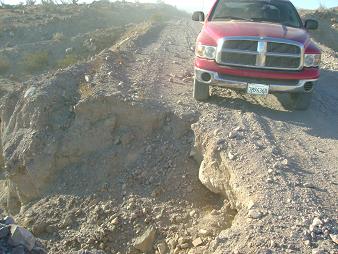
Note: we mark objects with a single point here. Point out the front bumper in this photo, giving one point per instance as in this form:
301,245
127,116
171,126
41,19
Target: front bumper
240,83
234,78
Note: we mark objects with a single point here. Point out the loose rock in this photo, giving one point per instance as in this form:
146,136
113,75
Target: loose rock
255,214
334,238
231,156
145,242
309,185
184,246
162,248
69,50
232,135
204,232
197,242
87,78
39,228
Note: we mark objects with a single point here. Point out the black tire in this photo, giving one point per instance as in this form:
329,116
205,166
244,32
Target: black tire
201,91
300,101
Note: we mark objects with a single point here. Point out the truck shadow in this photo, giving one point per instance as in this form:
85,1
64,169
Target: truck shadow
318,120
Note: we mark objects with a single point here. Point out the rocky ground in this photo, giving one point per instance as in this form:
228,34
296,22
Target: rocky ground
114,156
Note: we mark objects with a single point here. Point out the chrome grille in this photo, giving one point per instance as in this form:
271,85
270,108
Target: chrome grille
283,48
238,58
240,45
260,52
282,62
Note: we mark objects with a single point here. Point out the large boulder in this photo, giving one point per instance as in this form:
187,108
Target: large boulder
21,236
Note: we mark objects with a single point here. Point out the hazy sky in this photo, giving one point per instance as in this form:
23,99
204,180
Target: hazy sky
191,5
198,4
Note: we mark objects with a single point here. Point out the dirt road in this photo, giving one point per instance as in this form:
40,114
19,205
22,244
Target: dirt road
285,164
137,144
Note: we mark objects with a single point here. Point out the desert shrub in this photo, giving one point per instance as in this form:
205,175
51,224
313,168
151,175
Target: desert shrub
322,6
85,90
58,37
30,2
67,61
106,38
49,5
47,2
34,62
158,17
4,65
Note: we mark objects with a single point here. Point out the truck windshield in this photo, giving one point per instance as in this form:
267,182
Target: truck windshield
273,11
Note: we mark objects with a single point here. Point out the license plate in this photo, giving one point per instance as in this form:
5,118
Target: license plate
258,89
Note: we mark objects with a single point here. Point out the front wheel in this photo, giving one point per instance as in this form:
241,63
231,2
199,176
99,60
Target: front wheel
300,101
201,91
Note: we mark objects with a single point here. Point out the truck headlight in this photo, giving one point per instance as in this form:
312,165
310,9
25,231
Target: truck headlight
311,60
203,51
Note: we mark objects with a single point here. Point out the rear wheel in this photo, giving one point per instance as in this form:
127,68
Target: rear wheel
300,101
201,91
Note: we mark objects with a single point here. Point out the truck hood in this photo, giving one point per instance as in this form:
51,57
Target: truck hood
219,29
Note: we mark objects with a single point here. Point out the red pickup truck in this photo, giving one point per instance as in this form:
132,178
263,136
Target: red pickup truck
260,46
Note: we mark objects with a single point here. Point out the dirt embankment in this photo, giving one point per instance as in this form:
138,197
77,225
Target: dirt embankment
114,155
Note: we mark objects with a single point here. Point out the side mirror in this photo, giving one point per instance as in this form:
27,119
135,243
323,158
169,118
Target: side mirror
198,16
311,24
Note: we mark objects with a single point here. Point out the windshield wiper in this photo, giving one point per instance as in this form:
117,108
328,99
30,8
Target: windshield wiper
232,17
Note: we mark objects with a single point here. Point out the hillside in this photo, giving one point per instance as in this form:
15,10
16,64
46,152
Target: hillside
40,38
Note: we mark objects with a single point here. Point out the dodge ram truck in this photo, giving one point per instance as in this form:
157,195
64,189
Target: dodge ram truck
258,46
